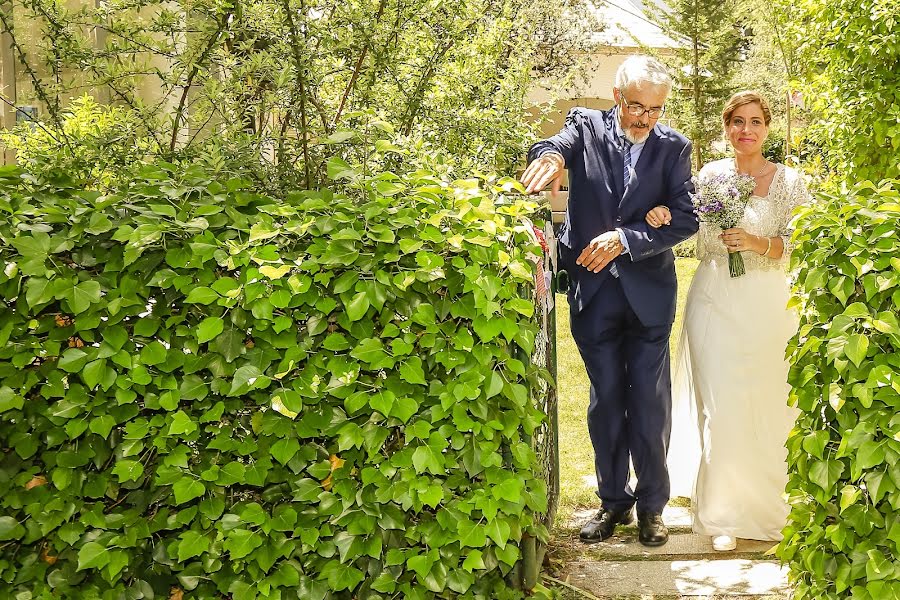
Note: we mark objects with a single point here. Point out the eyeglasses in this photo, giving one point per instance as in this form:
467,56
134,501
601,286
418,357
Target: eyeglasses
636,110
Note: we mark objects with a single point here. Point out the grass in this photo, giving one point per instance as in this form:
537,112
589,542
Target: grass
576,457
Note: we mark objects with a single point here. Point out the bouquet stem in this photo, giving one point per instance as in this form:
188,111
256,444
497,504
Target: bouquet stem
736,264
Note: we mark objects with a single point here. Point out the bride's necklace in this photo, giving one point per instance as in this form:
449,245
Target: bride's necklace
760,172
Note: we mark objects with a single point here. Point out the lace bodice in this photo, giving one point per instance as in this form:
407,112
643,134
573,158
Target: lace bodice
764,216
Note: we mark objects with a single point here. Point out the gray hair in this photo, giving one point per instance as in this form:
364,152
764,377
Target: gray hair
640,69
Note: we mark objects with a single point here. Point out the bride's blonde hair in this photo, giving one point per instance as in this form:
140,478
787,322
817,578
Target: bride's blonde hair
746,97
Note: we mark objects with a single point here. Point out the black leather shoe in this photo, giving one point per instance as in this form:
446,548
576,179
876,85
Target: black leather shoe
602,525
651,529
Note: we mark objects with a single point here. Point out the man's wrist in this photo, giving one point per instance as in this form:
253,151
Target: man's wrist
556,157
623,242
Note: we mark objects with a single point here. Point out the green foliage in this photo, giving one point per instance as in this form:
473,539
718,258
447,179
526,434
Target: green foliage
293,83
851,52
843,532
210,390
702,66
95,144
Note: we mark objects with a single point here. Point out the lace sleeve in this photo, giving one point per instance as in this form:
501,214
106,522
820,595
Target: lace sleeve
796,195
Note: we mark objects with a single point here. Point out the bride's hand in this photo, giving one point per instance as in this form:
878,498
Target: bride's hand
738,240
658,216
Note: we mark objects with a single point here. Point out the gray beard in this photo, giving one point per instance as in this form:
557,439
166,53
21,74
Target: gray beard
635,139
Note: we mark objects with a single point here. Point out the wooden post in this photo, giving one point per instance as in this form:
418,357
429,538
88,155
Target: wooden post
7,79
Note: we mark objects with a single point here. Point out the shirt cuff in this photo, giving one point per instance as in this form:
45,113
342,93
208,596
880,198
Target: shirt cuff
624,241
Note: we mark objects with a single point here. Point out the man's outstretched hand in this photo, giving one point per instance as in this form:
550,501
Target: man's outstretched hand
547,169
602,250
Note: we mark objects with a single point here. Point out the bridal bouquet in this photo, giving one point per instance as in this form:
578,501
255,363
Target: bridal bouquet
720,199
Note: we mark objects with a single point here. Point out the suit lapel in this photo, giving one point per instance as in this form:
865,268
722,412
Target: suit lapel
613,152
639,168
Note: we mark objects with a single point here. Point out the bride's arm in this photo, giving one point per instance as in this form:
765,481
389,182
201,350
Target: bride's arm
796,195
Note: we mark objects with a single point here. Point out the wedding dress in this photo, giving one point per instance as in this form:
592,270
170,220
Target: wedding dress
730,412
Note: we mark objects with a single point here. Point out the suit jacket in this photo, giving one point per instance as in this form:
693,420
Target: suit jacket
598,203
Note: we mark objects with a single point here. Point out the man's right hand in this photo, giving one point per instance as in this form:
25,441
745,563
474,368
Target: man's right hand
547,169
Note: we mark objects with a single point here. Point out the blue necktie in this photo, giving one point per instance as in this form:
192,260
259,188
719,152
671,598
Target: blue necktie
626,148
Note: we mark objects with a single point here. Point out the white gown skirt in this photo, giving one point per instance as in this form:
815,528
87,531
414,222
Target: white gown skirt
730,386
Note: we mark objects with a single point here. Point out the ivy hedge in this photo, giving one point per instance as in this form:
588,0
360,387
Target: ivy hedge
206,391
843,534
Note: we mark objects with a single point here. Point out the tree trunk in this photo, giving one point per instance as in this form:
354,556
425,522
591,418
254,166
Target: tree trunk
695,77
8,81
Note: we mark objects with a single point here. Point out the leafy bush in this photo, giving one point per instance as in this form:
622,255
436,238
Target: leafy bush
686,249
843,534
207,389
773,148
850,49
302,82
95,145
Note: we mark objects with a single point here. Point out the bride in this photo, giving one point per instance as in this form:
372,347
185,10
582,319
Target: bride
731,375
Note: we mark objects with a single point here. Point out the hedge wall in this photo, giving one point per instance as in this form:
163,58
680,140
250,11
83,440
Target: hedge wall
843,533
209,392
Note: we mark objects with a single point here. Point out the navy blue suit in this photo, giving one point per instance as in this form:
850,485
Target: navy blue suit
621,325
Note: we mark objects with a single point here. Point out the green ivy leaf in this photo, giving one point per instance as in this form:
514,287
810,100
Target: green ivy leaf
128,470
93,373
412,371
383,402
102,425
471,534
36,246
38,291
82,295
241,542
474,561
9,400
182,424
358,306
245,378
229,343
370,351
209,328
285,449
201,295
509,490
857,347
521,306
73,360
92,556
187,489
878,566
425,459
420,564
193,543
499,531
10,529
153,353
870,454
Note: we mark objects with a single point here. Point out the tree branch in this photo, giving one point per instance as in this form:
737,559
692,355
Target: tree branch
417,94
298,62
210,45
358,67
35,80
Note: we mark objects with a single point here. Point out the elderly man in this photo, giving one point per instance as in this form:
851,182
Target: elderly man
621,164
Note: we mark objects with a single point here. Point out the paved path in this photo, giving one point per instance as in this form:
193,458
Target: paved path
685,568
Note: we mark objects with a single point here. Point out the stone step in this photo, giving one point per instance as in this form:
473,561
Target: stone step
653,579
676,518
624,545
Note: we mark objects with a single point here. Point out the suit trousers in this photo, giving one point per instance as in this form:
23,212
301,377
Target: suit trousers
629,416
